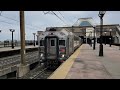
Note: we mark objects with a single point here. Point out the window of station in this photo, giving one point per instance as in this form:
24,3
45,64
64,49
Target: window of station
41,42
52,42
62,42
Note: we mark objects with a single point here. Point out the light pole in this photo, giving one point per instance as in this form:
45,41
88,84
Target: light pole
34,38
0,31
101,14
91,38
72,29
105,37
12,30
110,37
94,39
37,39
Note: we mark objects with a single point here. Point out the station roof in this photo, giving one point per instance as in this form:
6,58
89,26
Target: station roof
85,23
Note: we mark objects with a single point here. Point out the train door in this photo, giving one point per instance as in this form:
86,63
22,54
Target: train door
51,48
68,47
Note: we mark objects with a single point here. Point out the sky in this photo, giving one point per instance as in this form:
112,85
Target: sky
38,21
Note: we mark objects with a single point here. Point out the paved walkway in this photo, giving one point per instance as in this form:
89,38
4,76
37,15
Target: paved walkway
15,48
112,60
88,65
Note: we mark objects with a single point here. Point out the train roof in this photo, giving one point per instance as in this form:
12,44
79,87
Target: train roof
63,30
63,33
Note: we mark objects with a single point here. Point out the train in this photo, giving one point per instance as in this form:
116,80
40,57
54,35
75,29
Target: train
56,45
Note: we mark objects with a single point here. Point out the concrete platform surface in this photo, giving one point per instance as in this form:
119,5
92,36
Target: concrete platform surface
15,48
87,64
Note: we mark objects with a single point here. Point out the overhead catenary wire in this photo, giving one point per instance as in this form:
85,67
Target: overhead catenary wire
19,22
51,12
14,24
46,12
61,14
58,17
6,22
65,18
30,25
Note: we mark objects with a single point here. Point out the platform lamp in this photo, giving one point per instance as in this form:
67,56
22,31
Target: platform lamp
91,38
94,39
101,14
110,37
12,30
34,38
105,37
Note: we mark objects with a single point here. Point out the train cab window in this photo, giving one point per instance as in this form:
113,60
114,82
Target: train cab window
52,42
62,42
41,42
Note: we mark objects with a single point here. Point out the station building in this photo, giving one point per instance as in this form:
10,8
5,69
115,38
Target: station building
86,30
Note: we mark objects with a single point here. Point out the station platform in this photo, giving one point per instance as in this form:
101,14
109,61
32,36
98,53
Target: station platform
86,63
15,48
8,51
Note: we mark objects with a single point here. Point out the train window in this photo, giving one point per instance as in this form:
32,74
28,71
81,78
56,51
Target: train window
52,42
41,42
62,42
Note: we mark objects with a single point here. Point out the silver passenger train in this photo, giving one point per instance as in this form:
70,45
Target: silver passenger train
56,45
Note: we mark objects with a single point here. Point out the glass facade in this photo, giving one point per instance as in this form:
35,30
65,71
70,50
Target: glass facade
85,23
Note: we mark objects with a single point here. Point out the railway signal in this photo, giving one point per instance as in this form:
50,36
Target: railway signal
12,30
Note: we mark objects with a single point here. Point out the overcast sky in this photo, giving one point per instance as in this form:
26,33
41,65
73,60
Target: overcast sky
38,21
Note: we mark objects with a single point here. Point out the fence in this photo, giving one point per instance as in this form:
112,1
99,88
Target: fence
8,43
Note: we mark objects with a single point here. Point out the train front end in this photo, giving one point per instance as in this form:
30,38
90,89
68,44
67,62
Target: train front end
52,50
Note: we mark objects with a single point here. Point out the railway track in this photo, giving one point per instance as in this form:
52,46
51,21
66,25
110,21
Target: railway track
44,74
13,60
38,73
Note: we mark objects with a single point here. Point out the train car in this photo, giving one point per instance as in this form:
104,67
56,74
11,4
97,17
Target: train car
55,46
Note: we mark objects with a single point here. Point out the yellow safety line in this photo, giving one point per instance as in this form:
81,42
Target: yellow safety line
62,71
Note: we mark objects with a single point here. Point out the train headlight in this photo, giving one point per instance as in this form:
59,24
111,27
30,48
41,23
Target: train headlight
41,54
63,56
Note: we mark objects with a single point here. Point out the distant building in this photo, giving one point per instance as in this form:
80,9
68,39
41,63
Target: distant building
83,28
